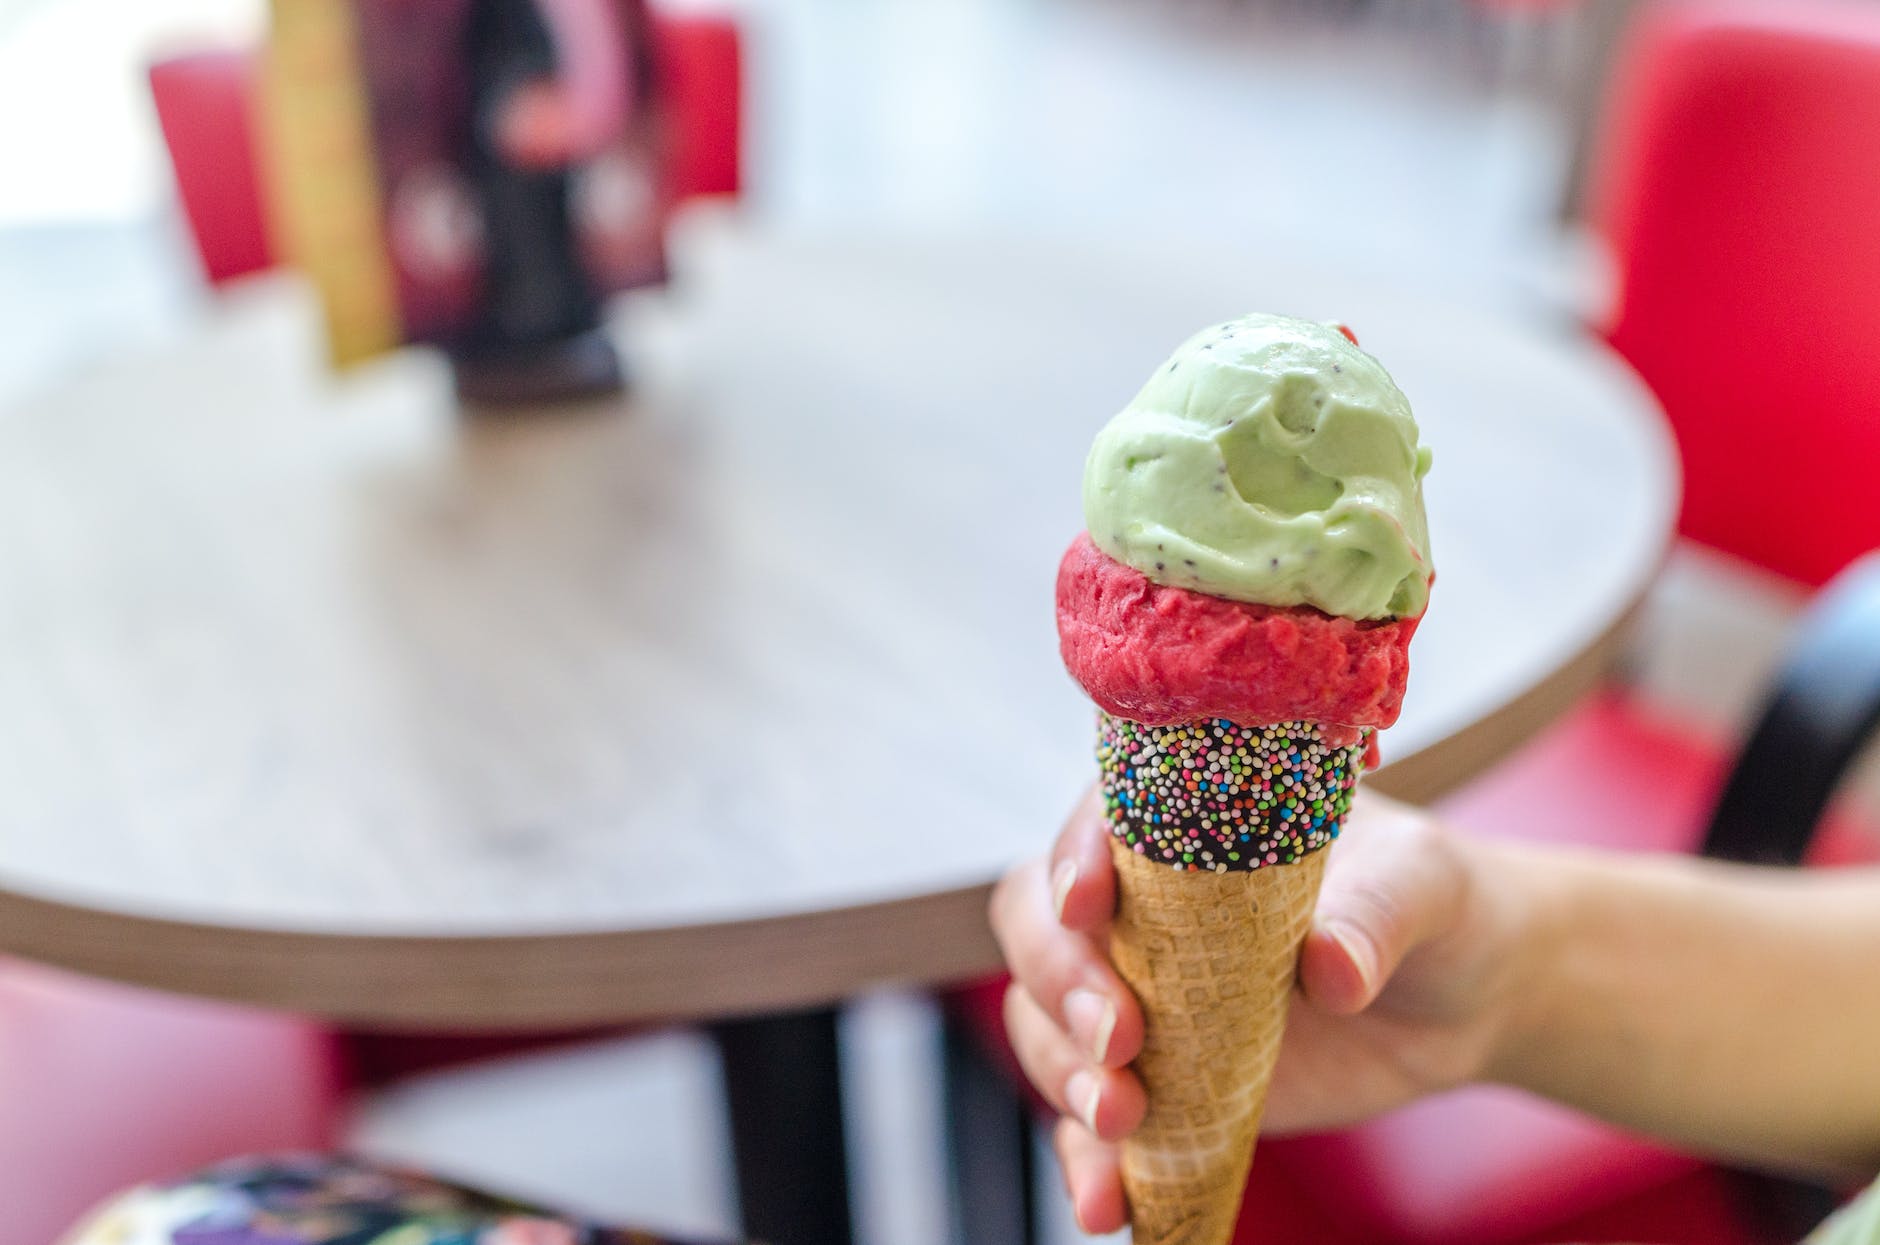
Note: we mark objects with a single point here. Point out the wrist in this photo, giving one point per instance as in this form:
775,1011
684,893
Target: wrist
1538,895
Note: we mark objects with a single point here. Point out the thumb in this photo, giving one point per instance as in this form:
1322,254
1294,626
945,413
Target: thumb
1390,888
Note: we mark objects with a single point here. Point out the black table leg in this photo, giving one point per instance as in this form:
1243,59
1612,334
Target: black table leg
783,1085
988,1147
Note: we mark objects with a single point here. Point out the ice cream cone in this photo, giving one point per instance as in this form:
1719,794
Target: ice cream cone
1212,957
1240,605
1218,833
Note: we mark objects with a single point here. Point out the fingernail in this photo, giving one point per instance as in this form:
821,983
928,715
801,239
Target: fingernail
1083,1093
1106,1029
1062,879
1358,949
1092,1016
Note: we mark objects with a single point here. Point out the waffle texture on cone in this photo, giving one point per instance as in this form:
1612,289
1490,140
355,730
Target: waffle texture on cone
1220,797
1212,957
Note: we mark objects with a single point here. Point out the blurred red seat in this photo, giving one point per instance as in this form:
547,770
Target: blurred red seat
102,1086
1484,1165
1737,188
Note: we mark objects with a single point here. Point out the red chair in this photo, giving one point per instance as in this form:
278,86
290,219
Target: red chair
204,108
1733,185
1737,189
102,1086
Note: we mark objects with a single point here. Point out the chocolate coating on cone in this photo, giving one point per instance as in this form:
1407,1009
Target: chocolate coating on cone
1212,957
1223,797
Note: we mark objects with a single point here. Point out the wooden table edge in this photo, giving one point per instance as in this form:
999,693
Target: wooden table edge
706,971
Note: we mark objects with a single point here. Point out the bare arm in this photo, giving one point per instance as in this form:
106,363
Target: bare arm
1731,1010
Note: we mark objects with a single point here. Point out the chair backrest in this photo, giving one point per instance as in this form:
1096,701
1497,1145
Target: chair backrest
205,105
1821,714
1738,182
701,65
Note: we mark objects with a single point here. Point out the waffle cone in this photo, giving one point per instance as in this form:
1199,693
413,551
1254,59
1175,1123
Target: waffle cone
1213,957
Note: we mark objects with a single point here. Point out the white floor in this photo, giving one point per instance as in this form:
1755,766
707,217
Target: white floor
1389,139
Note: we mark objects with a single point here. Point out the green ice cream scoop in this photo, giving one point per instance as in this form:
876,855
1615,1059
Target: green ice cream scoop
1268,460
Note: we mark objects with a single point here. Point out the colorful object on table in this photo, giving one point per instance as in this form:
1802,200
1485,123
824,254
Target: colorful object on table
476,174
327,204
1220,796
321,1200
205,103
1241,609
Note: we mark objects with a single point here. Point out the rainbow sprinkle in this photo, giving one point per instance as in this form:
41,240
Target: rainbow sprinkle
1217,795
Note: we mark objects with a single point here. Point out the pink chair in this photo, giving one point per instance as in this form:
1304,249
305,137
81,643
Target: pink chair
102,1086
1743,225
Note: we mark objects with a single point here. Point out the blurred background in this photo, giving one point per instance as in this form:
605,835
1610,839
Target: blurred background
1439,145
1416,135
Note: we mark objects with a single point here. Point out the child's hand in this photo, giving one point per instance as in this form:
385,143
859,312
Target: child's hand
1406,982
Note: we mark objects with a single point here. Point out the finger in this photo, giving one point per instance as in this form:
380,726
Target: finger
1093,1178
1337,971
1063,971
1083,879
1108,1101
1389,889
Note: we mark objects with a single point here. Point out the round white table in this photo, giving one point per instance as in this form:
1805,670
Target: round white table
730,698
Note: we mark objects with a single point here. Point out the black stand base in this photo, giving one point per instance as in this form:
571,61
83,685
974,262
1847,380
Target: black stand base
583,366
